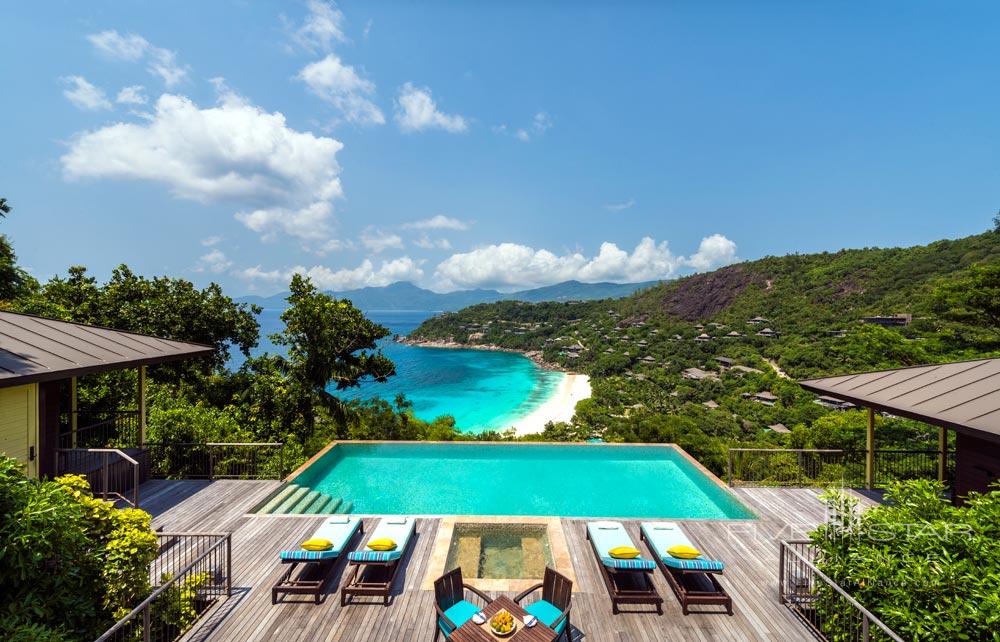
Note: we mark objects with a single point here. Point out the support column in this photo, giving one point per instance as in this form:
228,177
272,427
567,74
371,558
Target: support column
141,403
870,451
942,452
73,419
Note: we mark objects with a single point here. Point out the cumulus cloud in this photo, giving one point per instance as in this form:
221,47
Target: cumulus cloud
132,47
437,222
132,95
416,111
234,152
713,251
214,261
365,275
209,241
621,207
84,95
510,265
378,241
341,86
322,26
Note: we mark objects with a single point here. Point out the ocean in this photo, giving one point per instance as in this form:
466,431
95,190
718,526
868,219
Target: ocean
481,389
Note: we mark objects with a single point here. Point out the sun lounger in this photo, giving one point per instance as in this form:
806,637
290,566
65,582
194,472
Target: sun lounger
693,581
627,581
317,566
373,572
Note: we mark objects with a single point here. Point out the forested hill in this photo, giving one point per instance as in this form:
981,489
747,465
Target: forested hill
691,361
808,299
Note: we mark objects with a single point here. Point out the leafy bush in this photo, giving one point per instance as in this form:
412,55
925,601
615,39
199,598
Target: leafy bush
70,564
926,568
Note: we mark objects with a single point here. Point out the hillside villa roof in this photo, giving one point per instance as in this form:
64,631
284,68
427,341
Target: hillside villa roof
963,396
34,349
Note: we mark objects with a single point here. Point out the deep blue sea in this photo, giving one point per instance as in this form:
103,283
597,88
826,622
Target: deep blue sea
481,389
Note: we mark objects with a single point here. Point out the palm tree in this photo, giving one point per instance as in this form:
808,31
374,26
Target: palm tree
4,208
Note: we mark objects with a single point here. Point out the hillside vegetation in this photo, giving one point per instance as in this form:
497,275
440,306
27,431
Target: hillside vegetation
637,348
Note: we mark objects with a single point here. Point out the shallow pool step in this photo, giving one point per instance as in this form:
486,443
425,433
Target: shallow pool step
320,506
307,500
280,496
532,558
346,507
470,550
293,498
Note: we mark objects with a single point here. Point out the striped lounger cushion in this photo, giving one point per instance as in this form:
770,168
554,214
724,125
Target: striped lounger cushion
662,535
339,529
608,535
398,529
374,556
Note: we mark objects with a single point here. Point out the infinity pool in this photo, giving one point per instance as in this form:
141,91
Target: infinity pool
529,479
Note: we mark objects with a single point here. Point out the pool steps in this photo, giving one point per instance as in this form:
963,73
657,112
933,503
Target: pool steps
292,499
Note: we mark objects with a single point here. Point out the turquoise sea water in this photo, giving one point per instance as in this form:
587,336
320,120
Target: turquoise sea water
528,479
481,389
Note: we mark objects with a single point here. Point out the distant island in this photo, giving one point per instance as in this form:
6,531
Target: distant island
407,296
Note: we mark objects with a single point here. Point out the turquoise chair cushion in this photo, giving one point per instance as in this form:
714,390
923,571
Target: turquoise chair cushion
460,613
547,613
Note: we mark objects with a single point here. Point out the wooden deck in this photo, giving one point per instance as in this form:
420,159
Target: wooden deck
748,547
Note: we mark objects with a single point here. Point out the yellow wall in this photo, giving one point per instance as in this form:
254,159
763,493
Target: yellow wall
19,424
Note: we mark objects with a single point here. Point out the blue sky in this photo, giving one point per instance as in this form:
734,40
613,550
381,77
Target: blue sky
502,145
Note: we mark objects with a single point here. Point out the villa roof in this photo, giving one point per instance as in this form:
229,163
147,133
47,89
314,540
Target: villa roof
34,349
963,396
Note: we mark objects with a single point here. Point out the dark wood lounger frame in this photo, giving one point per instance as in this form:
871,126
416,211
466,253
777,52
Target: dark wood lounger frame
682,583
374,578
627,586
314,576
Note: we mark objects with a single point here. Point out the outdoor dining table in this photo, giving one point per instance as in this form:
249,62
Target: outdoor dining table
472,632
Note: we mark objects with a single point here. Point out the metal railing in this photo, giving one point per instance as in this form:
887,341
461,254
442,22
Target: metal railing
112,474
189,460
820,603
192,571
99,429
818,467
790,467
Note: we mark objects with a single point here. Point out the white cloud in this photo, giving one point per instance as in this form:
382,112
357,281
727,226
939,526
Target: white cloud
427,243
367,29
323,25
510,265
416,111
214,261
132,95
541,122
233,152
713,251
209,241
438,222
365,275
130,47
378,241
133,48
85,95
621,207
341,86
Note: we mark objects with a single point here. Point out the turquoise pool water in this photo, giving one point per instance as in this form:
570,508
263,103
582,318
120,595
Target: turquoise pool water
500,479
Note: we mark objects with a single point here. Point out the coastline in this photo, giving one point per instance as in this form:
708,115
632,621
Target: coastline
559,407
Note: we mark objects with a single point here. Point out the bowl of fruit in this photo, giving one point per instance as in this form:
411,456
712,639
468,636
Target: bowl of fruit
503,624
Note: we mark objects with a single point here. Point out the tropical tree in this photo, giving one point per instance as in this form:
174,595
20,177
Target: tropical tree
329,342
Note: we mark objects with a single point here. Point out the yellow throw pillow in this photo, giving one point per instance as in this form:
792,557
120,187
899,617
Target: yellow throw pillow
683,552
317,544
624,553
383,544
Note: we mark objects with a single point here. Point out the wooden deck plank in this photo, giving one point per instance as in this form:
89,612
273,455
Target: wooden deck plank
748,547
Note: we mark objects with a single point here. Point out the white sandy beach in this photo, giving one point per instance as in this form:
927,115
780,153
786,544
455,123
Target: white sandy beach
559,407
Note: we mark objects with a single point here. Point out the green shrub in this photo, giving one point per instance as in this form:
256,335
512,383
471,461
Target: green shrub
926,568
70,564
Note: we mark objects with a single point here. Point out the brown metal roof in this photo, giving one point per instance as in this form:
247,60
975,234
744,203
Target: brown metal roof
964,396
36,349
